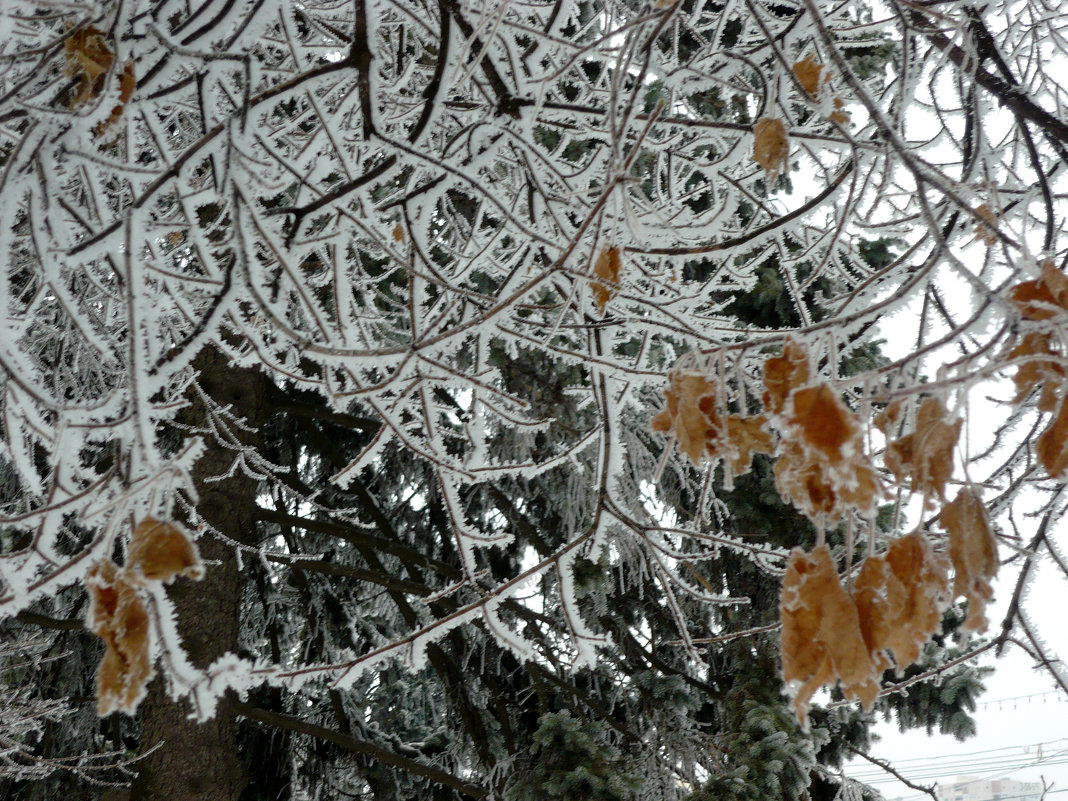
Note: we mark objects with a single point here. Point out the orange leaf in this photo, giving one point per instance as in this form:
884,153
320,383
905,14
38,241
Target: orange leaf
1044,298
783,374
119,617
924,577
770,145
1052,446
926,455
823,421
690,414
821,635
606,271
808,72
974,553
880,600
161,551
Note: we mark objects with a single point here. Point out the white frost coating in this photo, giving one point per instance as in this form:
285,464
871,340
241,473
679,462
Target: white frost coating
584,639
420,302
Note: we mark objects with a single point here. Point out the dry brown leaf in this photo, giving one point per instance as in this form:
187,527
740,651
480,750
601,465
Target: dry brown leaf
823,421
821,637
926,456
1045,297
1052,446
127,85
802,478
974,553
924,576
119,617
745,437
398,233
880,598
606,272
161,551
808,72
690,414
822,488
783,374
1037,372
771,147
88,58
839,115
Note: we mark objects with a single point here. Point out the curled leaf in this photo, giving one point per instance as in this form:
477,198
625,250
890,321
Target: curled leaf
880,598
119,617
771,147
606,273
974,553
161,551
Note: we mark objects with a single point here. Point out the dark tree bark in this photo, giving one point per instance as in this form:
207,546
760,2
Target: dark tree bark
201,761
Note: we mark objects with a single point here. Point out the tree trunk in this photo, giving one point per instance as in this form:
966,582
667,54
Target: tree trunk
200,761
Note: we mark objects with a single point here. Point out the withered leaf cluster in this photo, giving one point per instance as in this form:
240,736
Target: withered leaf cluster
815,80
897,600
158,552
822,466
691,415
88,58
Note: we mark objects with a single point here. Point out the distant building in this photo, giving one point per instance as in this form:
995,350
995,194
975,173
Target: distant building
972,788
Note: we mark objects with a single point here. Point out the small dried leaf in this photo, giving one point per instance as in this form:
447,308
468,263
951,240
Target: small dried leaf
1049,374
1043,298
606,271
823,421
924,576
690,414
161,551
783,374
398,233
1052,445
119,617
88,58
926,456
771,146
974,553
